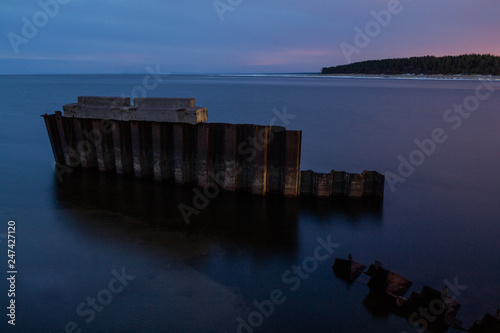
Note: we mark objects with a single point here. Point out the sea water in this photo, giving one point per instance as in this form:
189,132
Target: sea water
101,253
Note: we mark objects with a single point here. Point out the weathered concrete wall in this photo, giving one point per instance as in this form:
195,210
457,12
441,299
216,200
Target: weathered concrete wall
177,110
167,139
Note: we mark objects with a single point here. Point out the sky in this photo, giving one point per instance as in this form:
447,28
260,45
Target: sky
235,36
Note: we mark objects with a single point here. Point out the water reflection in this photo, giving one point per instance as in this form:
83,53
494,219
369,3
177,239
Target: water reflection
259,223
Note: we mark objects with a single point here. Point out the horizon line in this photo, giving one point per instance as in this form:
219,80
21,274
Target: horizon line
144,73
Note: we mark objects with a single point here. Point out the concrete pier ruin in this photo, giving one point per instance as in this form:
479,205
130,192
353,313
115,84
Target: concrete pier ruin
168,139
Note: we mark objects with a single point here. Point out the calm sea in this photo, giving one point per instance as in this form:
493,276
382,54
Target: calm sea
98,253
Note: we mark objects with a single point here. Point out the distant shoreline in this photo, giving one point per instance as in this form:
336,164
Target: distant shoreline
418,76
445,67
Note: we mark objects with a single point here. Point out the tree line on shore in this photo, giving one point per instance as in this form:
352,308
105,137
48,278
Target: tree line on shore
467,64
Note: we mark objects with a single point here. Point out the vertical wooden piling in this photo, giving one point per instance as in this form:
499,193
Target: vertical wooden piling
245,156
145,141
179,154
82,144
373,184
306,182
97,140
340,182
117,147
323,182
168,144
107,127
158,152
276,161
62,140
260,146
356,187
231,164
292,175
54,137
203,155
136,148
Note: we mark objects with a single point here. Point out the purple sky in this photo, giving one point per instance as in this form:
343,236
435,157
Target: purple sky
241,36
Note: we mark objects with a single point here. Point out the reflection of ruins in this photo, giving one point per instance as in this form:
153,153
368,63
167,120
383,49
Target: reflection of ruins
259,222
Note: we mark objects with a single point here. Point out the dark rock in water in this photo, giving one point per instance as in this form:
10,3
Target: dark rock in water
347,269
430,295
430,298
489,324
387,290
385,281
412,309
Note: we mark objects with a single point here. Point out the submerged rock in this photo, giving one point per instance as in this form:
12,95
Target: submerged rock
347,269
489,324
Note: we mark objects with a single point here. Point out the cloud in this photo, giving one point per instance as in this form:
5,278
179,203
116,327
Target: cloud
188,35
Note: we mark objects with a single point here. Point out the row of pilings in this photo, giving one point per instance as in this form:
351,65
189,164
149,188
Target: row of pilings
238,157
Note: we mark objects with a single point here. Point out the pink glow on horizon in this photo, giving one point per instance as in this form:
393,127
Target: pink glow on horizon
289,56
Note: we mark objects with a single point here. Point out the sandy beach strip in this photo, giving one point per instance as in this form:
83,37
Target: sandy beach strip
417,76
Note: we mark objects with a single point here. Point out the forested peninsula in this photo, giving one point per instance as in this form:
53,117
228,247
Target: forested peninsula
467,64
